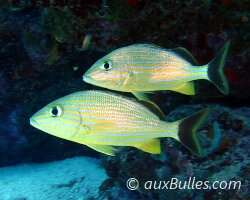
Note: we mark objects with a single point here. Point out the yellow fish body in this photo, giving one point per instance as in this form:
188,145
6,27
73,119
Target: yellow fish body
142,68
103,120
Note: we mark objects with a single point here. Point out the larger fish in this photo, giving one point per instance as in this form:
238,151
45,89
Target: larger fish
103,120
143,68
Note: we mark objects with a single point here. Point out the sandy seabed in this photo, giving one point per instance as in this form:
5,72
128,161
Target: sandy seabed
74,178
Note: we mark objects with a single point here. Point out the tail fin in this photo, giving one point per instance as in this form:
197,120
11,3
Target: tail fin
215,70
187,133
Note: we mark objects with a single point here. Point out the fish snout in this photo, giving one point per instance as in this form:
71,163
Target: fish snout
88,79
85,78
33,122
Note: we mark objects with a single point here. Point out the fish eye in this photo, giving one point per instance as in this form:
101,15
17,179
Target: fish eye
107,65
55,111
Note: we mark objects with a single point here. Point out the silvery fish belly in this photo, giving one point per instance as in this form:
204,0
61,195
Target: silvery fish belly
103,120
144,68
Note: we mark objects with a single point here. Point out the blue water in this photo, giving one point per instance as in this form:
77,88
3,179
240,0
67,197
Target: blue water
46,47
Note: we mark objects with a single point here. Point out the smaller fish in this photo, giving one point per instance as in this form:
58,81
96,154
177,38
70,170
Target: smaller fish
144,68
103,120
86,42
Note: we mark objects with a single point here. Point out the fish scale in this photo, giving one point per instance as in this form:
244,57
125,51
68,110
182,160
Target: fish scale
113,111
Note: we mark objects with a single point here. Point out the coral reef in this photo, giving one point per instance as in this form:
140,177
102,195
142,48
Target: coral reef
228,160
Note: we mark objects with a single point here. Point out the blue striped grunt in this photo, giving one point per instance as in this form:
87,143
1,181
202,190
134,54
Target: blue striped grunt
103,120
144,68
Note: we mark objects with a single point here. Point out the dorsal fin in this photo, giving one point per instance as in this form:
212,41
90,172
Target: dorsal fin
149,46
141,95
153,108
185,54
145,102
144,99
180,51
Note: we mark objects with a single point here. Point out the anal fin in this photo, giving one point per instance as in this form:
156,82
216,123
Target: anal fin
151,146
106,149
186,88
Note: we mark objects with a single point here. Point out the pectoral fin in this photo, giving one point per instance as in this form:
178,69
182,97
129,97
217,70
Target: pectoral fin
106,149
151,146
186,88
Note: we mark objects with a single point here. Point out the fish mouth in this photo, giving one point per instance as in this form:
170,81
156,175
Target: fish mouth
87,79
91,81
33,123
106,84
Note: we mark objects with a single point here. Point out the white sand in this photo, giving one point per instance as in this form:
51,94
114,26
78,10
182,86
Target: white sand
70,179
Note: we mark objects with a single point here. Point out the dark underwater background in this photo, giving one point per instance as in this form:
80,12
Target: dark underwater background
43,57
